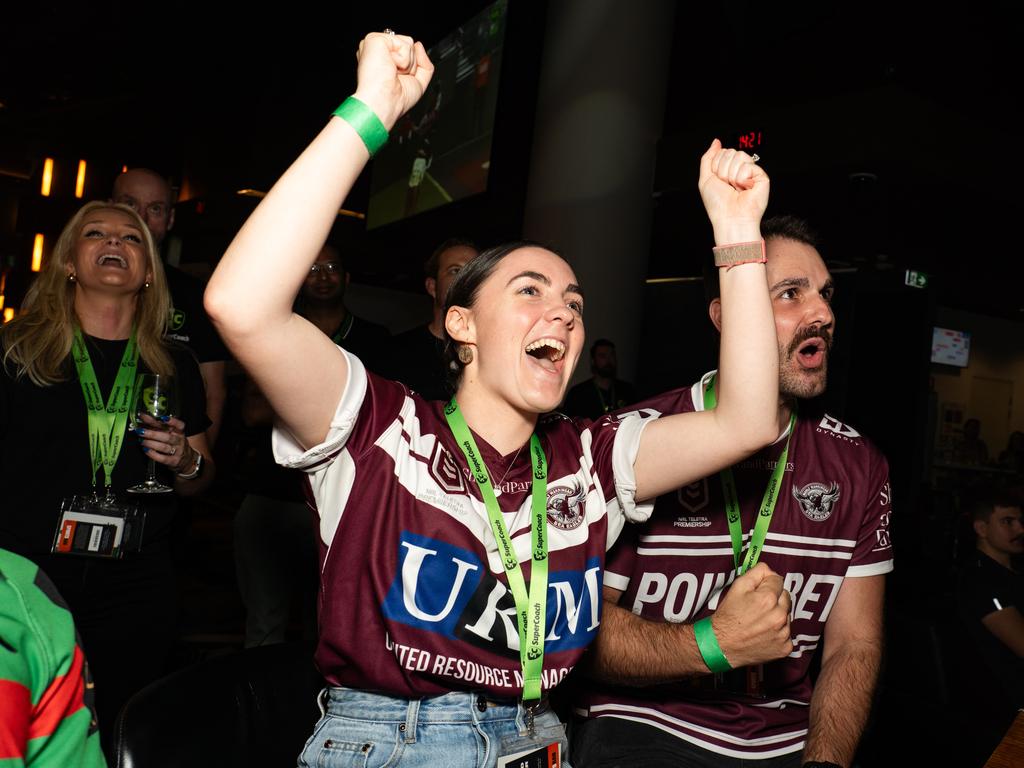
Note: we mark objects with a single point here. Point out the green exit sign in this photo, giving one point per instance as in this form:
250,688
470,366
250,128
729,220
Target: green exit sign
916,279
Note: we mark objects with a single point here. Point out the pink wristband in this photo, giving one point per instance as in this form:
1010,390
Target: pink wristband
734,254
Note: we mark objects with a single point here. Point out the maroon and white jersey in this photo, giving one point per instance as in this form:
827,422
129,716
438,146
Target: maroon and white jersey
831,522
413,597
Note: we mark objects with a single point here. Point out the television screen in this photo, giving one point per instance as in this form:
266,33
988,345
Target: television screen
951,347
441,150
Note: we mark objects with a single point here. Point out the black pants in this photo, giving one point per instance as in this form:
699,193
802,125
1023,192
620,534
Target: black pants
611,742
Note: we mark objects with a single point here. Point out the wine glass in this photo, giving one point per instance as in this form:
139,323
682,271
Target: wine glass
154,397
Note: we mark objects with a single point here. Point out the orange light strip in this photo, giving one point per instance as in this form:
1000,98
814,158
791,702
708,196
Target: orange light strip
80,181
37,254
8,314
47,177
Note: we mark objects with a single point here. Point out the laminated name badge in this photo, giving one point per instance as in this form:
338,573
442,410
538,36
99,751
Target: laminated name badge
98,527
539,748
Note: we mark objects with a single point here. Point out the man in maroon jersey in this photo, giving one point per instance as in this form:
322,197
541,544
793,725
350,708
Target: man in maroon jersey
827,537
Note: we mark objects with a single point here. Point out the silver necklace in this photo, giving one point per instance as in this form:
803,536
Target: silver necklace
497,488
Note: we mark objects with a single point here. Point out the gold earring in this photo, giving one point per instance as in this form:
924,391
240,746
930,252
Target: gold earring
465,354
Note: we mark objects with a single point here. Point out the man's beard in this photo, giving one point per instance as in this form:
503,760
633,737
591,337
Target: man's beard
798,382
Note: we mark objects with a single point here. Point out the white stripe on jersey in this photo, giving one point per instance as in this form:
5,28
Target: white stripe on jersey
788,537
683,552
723,551
616,581
808,552
851,543
667,539
872,569
675,726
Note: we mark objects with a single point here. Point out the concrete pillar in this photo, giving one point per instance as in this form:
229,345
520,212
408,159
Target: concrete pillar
599,116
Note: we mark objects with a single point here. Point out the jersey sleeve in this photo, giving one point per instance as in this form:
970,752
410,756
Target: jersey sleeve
367,407
873,553
618,566
613,443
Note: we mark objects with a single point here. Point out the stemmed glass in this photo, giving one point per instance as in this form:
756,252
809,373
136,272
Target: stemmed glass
154,397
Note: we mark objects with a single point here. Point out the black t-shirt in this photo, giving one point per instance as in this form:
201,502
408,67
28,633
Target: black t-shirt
367,341
189,323
416,359
44,449
587,401
985,588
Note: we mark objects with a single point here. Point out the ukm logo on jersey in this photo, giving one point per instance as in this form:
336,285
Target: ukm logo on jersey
449,590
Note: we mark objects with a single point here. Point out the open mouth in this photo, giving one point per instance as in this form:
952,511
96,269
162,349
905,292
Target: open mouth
547,351
112,259
811,354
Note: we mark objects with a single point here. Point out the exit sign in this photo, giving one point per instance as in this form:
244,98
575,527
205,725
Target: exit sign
916,279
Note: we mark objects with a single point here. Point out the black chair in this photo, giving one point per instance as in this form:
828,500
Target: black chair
253,708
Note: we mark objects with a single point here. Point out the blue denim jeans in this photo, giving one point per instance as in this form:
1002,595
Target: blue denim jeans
371,730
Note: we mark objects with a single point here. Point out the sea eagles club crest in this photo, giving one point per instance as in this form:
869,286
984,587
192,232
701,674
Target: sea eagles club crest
817,500
565,506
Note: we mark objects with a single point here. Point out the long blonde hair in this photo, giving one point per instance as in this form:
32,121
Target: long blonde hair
38,341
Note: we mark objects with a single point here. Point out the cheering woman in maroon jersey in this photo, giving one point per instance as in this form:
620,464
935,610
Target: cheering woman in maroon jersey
462,543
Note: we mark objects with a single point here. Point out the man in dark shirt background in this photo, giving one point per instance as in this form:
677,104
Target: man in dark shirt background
322,302
602,392
992,589
150,195
416,356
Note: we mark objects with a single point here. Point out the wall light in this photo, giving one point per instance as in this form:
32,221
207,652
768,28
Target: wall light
47,176
80,181
37,254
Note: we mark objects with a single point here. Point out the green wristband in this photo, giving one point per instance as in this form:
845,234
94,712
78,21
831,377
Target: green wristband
365,122
708,646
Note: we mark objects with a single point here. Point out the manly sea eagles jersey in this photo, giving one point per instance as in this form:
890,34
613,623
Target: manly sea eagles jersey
413,596
831,522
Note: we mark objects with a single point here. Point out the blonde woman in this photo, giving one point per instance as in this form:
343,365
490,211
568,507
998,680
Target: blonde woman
101,296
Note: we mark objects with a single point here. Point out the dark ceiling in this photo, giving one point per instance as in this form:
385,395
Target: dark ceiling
893,128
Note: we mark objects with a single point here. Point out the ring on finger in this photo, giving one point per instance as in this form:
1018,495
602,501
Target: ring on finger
389,31
755,157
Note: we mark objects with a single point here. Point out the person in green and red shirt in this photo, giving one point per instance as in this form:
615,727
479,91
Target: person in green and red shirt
46,712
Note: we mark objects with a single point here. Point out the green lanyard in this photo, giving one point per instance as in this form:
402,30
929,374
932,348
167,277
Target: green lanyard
106,421
532,608
732,501
343,329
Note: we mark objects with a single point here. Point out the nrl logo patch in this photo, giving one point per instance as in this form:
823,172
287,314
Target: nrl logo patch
817,500
176,320
445,470
693,497
565,506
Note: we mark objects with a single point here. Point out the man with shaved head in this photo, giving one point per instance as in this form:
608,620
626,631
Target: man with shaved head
686,677
152,198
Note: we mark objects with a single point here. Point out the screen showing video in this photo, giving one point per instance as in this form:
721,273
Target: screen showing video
441,150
